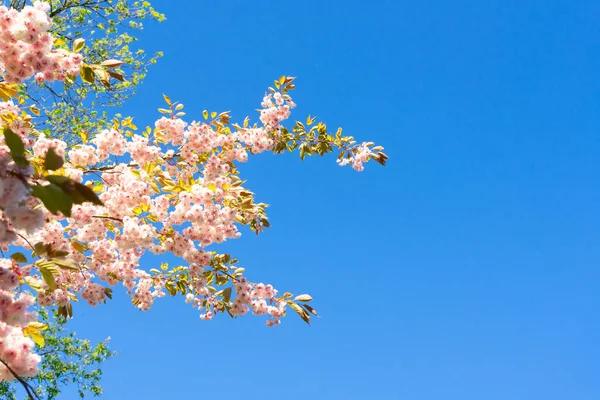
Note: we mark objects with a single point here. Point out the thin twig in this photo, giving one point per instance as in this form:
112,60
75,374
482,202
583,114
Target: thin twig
28,388
105,217
30,245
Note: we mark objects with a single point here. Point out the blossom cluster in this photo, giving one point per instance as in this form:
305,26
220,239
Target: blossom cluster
16,350
15,211
89,213
175,190
26,47
172,189
187,206
357,159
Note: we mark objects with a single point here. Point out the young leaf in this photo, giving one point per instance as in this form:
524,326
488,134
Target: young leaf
301,312
78,247
8,91
65,311
303,297
38,325
65,263
48,277
35,284
112,63
33,331
310,309
227,295
87,73
18,257
116,75
103,77
78,45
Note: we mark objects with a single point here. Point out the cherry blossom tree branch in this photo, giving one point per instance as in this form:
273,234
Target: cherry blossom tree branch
30,391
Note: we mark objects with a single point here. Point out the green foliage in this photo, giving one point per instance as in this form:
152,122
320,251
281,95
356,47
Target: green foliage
58,193
113,70
16,146
311,137
67,360
53,161
71,111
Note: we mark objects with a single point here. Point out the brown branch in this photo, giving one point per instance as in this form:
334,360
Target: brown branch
28,388
105,217
107,168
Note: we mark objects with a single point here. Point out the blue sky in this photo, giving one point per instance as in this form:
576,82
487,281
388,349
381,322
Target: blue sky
467,269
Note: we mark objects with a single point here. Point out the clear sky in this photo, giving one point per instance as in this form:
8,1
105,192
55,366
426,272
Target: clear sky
467,269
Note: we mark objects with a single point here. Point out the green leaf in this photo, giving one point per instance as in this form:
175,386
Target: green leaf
77,192
53,161
18,257
58,179
16,146
88,194
227,295
14,142
54,198
41,248
66,263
